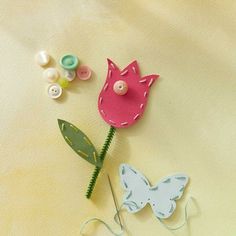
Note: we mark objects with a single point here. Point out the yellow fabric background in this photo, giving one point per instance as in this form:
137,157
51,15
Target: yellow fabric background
189,124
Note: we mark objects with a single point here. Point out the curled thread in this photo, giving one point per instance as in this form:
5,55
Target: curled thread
102,222
123,228
102,156
106,224
170,228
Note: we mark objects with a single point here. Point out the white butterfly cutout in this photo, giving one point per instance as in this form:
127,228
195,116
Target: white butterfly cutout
161,197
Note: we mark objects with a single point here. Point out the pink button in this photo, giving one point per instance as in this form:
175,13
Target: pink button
84,72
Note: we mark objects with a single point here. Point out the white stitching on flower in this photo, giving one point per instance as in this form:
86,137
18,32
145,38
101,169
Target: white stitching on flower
105,87
124,72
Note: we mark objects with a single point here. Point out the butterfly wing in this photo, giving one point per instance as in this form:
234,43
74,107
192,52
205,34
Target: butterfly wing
136,187
165,193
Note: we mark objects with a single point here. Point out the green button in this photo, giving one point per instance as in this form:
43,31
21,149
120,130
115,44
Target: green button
69,62
63,82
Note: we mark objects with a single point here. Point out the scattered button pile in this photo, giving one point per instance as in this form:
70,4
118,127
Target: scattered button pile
59,81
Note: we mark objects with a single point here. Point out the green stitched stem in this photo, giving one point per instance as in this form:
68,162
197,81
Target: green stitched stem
102,156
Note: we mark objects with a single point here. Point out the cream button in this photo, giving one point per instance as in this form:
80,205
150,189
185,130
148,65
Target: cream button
69,74
42,58
51,74
54,91
120,87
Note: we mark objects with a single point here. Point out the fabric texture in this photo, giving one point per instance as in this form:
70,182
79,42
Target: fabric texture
188,126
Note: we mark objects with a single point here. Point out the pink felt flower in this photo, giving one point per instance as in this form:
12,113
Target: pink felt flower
124,96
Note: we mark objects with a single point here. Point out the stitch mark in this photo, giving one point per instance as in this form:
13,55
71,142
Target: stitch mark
144,180
68,140
113,122
110,74
142,81
160,213
145,94
174,198
103,112
124,72
124,123
130,208
112,65
82,153
154,189
181,178
134,69
136,117
182,189
141,105
123,171
129,195
87,141
100,100
73,127
62,126
133,170
167,181
94,157
150,83
105,87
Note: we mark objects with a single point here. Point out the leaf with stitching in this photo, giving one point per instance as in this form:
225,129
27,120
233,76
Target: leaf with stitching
79,142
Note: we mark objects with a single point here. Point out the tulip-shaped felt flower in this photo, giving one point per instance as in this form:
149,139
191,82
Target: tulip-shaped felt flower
124,96
121,103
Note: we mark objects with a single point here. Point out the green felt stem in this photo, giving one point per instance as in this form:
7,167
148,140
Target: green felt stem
102,156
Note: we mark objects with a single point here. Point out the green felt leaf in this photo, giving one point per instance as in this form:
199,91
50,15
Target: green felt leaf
79,142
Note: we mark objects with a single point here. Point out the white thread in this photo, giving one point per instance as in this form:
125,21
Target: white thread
141,105
112,65
185,218
142,81
82,153
124,123
145,94
136,117
134,69
68,140
73,127
103,112
100,100
124,72
135,205
105,87
150,83
62,126
87,141
102,222
113,122
94,157
110,73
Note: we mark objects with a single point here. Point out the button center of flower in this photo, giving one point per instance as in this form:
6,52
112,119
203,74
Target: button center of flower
120,87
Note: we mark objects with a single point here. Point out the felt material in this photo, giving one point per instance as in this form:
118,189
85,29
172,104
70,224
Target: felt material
160,197
123,111
79,142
